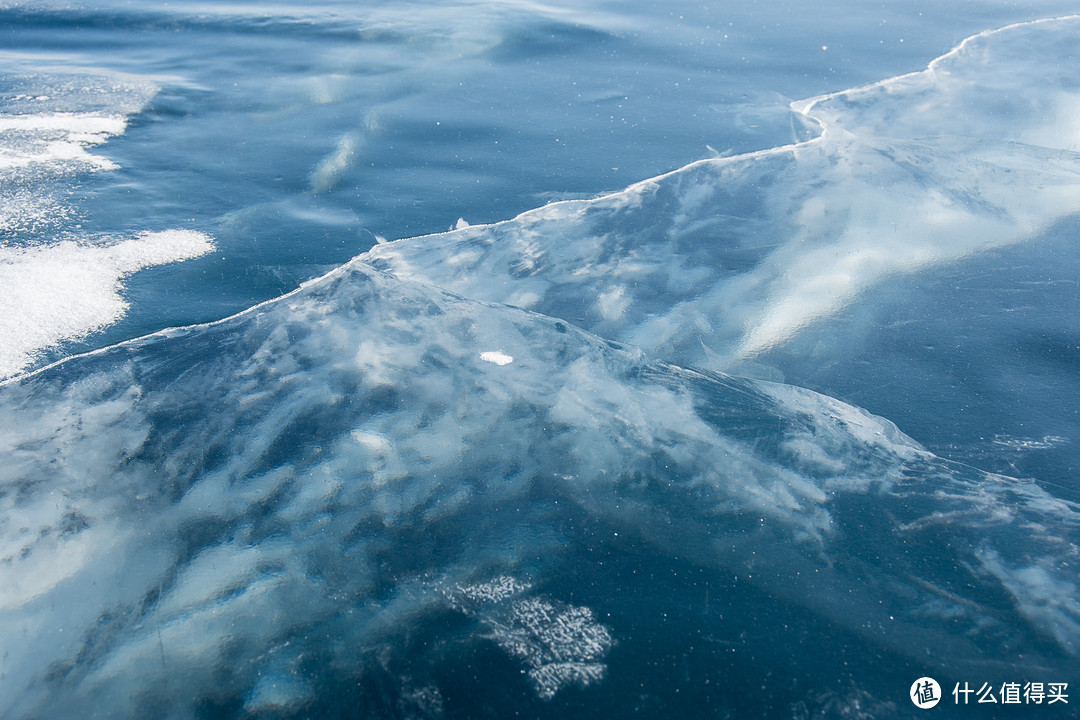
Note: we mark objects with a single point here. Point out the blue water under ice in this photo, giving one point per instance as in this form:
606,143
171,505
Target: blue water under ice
483,360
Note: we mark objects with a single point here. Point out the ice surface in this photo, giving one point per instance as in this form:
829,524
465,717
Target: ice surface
57,289
391,475
304,470
49,125
65,290
729,257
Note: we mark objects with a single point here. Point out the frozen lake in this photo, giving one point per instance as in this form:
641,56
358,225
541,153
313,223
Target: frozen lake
460,360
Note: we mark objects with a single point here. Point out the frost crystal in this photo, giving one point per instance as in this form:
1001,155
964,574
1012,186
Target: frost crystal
559,644
469,598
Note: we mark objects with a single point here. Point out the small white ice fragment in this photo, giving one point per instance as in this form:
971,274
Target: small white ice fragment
461,224
496,356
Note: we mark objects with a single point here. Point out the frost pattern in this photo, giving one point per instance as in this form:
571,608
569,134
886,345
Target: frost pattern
559,644
467,598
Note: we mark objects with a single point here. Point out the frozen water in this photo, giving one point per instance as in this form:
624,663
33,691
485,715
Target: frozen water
65,290
560,645
730,257
510,468
58,289
300,471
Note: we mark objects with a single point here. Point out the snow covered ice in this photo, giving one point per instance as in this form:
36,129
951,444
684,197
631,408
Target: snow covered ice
62,289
